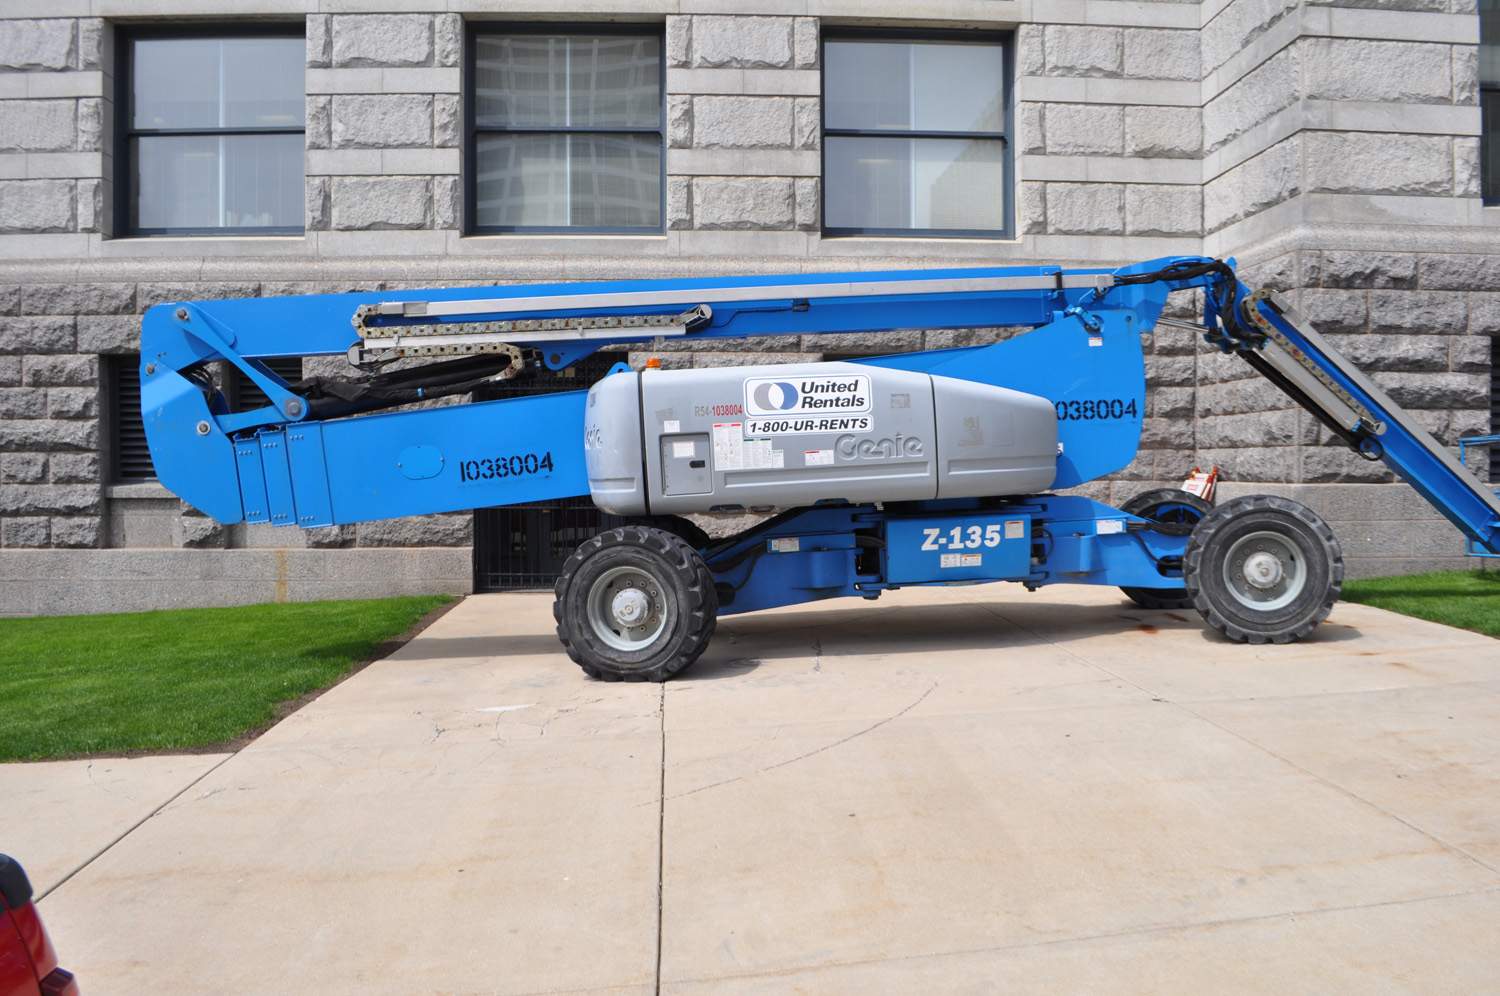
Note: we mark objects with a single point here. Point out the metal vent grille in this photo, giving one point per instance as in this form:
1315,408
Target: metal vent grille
521,547
131,457
244,396
1495,406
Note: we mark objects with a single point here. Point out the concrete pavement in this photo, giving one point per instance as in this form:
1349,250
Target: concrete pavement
963,790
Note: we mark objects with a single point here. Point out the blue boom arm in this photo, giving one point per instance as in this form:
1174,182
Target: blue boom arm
292,463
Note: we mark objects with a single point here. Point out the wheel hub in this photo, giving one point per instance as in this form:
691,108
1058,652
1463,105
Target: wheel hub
627,609
630,606
1263,570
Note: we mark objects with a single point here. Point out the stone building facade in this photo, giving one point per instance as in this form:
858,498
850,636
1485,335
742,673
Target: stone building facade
1333,149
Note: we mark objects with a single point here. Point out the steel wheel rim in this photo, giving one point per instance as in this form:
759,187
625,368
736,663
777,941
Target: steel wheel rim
627,608
1265,571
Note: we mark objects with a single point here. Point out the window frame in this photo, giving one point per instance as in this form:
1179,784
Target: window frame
472,130
1489,96
1005,40
125,131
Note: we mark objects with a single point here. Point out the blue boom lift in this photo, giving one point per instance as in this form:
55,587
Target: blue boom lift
925,468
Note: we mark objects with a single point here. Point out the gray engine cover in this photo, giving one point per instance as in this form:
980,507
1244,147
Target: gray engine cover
790,435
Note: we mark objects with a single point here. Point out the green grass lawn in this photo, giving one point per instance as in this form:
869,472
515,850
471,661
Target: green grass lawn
72,685
1466,599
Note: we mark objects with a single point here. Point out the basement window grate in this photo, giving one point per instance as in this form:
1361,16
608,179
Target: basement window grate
130,457
523,547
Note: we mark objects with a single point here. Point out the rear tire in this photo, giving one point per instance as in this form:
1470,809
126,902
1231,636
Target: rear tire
635,603
1176,513
684,529
1263,569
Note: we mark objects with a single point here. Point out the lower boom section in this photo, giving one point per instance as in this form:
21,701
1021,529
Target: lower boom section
322,473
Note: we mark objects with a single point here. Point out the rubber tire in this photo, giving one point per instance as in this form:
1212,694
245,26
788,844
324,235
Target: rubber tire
684,529
1142,505
1203,569
683,576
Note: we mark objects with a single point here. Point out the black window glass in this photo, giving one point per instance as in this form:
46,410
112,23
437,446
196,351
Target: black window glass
1489,98
213,134
914,136
567,132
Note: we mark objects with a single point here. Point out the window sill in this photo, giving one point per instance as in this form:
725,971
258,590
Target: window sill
138,490
204,245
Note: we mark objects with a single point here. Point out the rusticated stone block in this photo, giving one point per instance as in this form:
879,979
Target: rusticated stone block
805,43
448,39
1336,268
1355,162
679,202
44,499
60,371
447,121
319,42
72,402
420,530
30,532
743,202
1085,129
1360,69
37,335
1418,312
24,468
78,299
742,42
1458,271
30,435
382,40
38,125
1336,310
1372,351
1264,181
1161,209
1163,132
319,124
809,208
23,402
679,40
1085,208
382,121
42,44
109,334
36,205
679,121
1079,50
381,202
75,468
742,122
200,532
76,533
1151,53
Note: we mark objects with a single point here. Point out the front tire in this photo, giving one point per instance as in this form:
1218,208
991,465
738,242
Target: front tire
1263,569
635,603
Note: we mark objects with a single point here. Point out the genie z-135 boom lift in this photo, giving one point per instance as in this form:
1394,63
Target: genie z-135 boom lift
924,468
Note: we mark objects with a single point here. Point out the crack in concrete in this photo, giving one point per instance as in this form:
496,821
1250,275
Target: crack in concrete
813,753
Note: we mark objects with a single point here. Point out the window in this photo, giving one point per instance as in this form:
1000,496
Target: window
915,135
565,131
1489,98
211,131
130,457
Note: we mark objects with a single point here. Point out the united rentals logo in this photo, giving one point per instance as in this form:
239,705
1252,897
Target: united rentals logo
820,395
